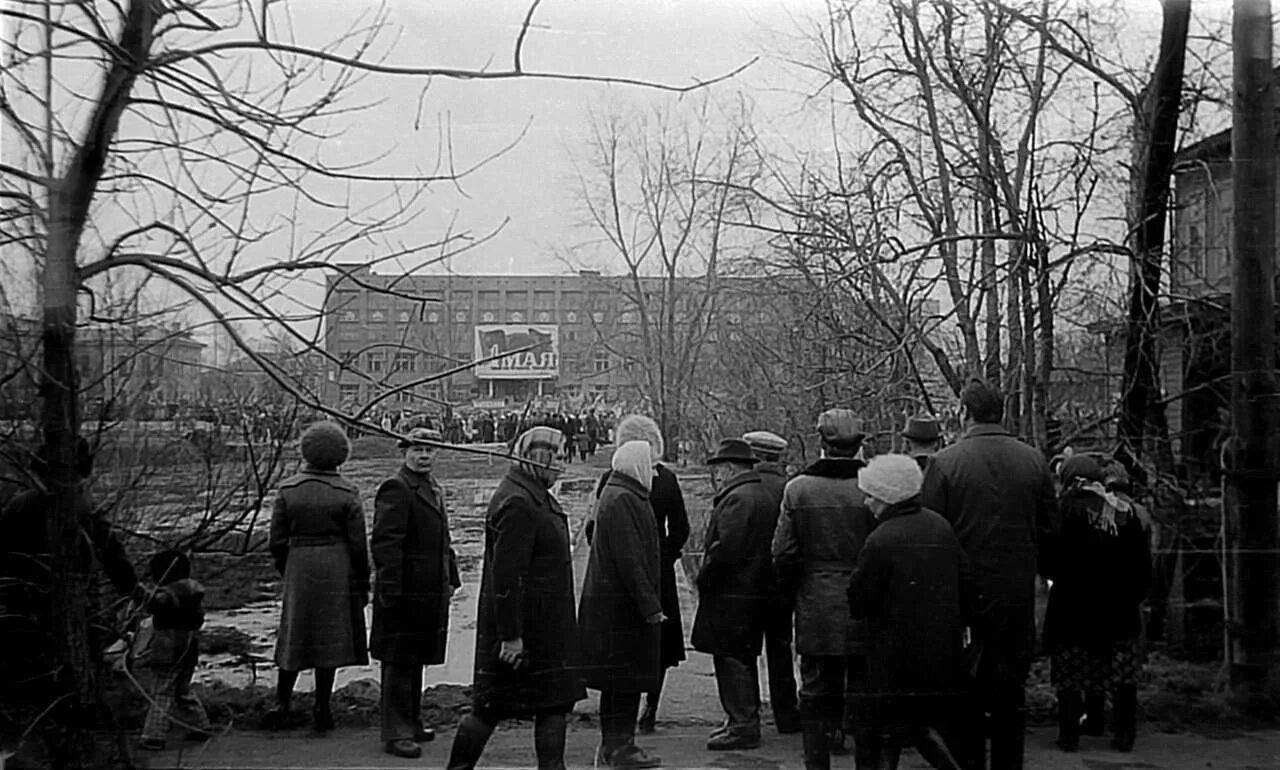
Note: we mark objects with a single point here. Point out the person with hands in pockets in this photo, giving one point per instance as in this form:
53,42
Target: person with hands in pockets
416,575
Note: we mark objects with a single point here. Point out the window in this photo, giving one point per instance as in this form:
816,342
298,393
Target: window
544,300
600,361
375,362
405,362
348,394
488,300
518,300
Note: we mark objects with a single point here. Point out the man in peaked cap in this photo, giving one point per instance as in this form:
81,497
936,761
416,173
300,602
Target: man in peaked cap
769,448
924,436
734,585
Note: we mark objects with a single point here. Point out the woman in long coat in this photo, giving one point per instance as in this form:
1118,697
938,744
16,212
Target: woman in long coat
913,587
318,543
417,573
526,632
620,615
1100,565
672,519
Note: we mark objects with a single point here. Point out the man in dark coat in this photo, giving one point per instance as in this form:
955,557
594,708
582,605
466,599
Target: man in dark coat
823,524
911,585
620,618
924,437
769,449
417,573
999,497
526,628
734,585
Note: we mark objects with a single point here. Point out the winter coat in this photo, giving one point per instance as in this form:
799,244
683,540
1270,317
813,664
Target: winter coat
823,524
416,568
177,611
672,519
620,648
912,586
318,543
999,498
736,578
1099,577
526,593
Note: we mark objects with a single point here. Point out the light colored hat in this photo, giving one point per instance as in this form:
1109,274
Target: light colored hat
539,436
634,459
764,443
891,478
637,427
324,445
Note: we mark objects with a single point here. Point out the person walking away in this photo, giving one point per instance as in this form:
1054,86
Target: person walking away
667,502
998,496
416,576
912,585
318,544
620,617
734,585
923,436
769,448
526,628
823,523
177,608
1099,562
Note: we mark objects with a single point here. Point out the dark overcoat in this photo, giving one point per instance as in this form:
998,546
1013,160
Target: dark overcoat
1099,578
998,496
620,650
415,571
736,578
912,587
526,593
823,524
672,519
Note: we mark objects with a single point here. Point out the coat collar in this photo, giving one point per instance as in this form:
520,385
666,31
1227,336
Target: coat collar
771,469
626,482
521,478
425,487
746,477
835,468
897,510
986,429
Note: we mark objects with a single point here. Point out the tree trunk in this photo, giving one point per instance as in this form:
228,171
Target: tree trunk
1141,413
1252,460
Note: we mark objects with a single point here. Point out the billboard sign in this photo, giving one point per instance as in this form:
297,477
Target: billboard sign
542,362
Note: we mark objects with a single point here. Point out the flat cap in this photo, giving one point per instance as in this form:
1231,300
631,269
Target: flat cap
765,441
839,427
421,437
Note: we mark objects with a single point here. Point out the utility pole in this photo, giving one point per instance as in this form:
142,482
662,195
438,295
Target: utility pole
1253,462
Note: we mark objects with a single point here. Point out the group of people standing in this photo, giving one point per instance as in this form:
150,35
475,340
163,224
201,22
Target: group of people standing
906,581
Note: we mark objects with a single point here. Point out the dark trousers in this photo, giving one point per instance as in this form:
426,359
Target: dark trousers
401,700
781,661
739,684
475,729
617,719
825,681
1001,696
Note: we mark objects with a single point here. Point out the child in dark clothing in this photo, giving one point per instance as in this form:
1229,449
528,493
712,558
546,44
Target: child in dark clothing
177,615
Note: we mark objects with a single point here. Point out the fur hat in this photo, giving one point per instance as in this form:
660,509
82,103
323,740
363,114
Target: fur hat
891,478
637,427
325,445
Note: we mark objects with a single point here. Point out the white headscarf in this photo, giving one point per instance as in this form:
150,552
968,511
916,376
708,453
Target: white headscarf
635,459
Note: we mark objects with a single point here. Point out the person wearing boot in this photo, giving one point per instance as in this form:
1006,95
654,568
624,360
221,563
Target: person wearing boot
1099,562
672,519
318,544
619,620
823,523
998,495
912,586
526,662
734,585
769,449
416,576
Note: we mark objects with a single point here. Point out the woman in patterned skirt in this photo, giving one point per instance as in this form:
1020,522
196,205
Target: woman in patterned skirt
1099,562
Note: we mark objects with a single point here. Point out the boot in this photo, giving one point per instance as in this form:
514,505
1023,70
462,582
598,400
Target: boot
548,741
1069,708
934,750
469,742
1095,713
648,716
1125,708
1008,739
813,733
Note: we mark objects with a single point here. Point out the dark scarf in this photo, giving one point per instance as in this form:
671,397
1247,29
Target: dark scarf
835,468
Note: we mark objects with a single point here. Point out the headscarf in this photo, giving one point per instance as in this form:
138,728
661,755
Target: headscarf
637,427
1080,472
635,459
539,437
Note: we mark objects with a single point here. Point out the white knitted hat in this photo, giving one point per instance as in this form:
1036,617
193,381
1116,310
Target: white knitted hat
891,478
